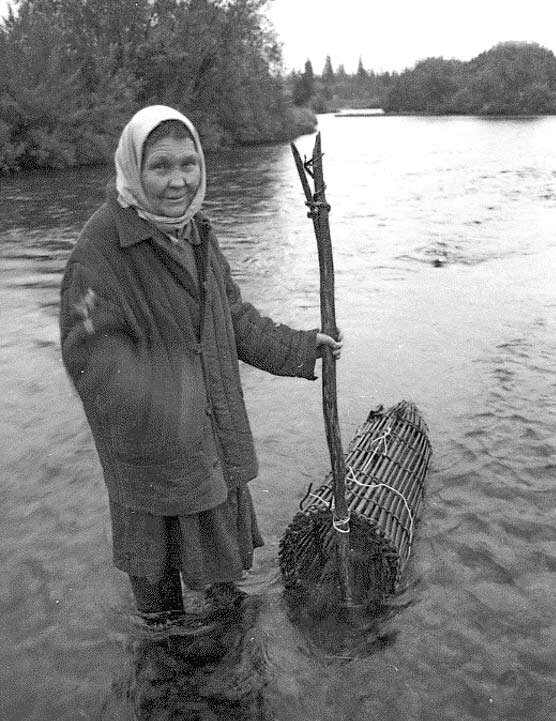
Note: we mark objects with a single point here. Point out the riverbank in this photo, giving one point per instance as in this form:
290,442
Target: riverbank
379,113
54,156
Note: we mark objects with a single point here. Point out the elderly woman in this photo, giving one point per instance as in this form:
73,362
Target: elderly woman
152,327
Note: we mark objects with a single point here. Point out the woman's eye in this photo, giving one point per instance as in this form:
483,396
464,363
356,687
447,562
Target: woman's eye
164,166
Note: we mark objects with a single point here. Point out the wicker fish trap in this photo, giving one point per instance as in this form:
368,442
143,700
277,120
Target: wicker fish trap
386,464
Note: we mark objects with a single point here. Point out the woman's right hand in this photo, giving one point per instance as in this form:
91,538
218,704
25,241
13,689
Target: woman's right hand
335,345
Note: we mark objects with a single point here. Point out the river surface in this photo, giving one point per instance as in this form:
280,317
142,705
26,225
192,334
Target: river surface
444,233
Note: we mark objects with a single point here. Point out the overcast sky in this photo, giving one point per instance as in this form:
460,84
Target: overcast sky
394,34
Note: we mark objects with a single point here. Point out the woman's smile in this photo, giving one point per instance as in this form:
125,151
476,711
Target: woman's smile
171,175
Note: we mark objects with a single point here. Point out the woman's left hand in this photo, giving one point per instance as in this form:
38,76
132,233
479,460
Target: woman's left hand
335,345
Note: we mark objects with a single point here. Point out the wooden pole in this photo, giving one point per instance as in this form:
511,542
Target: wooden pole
319,211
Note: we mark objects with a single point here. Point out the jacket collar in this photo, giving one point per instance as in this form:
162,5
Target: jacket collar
131,228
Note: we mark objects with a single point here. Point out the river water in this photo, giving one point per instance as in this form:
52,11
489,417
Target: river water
445,254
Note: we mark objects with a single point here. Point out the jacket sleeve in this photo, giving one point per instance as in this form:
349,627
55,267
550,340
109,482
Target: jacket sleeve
98,347
265,344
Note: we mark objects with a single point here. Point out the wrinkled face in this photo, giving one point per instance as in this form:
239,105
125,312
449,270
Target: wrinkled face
171,175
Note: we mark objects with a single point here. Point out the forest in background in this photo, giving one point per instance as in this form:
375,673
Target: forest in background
509,79
74,71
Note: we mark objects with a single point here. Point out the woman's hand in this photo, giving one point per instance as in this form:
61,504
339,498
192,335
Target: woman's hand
335,345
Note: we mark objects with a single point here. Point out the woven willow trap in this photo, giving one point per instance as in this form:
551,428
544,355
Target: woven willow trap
386,464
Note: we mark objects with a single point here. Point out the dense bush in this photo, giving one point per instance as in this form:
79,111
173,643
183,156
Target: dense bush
73,72
511,78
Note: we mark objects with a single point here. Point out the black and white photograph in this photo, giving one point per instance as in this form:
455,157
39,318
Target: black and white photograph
277,360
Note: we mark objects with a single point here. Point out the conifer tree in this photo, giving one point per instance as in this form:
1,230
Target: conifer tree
328,72
361,72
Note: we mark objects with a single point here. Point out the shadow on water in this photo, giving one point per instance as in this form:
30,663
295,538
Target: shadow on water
39,203
338,633
187,667
249,661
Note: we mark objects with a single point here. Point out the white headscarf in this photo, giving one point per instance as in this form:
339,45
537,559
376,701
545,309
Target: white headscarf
128,167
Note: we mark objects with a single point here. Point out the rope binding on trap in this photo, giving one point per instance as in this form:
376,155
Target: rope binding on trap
339,524
355,480
386,465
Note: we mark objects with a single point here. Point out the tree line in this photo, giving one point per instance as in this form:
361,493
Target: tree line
509,79
334,89
74,71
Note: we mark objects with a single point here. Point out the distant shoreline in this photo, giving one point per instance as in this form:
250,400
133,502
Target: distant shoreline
420,114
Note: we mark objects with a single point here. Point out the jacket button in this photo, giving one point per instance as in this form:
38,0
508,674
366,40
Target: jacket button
198,349
209,410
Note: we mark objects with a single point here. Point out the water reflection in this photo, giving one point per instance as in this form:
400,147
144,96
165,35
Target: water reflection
205,669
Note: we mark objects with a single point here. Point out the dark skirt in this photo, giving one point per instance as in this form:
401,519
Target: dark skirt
213,546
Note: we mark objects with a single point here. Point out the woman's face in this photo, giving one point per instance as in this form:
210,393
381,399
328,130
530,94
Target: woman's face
171,175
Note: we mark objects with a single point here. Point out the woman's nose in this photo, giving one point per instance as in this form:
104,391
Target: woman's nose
177,178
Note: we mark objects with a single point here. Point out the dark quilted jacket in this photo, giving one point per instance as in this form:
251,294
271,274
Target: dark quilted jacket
154,358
